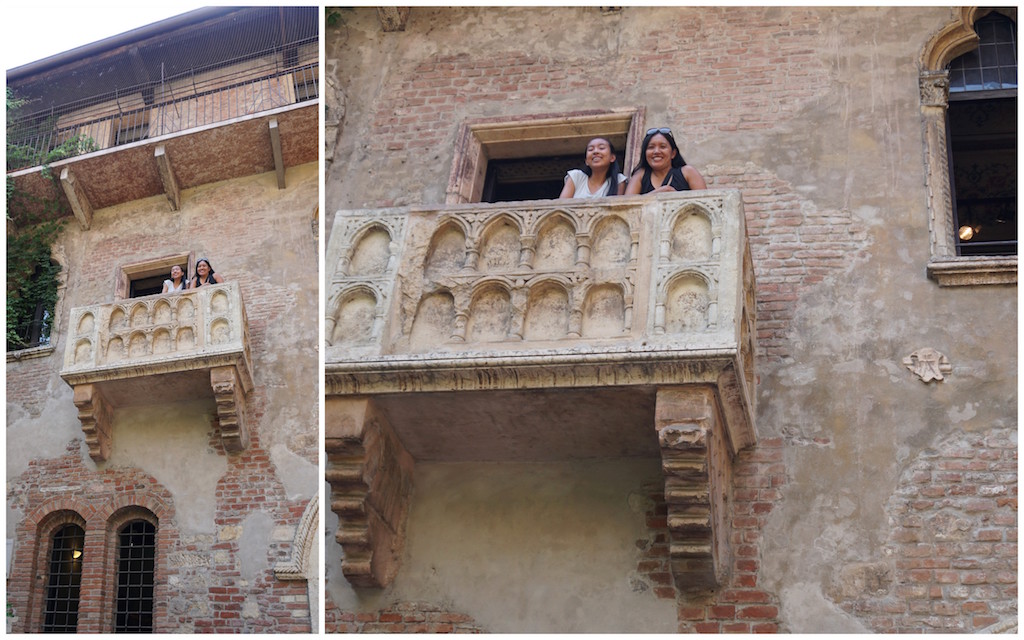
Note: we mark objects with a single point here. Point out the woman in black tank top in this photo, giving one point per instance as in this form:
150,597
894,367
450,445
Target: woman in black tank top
204,275
662,168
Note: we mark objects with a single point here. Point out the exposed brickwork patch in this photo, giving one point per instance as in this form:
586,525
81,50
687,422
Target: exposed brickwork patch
406,617
952,550
739,606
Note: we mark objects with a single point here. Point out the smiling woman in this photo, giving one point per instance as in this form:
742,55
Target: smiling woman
662,164
601,177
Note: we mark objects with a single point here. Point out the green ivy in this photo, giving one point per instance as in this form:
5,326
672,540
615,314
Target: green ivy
32,278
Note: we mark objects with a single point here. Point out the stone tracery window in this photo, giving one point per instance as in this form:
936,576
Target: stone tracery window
983,140
968,107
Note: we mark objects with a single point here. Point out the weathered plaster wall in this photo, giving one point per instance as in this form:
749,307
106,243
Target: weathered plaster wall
524,547
232,517
814,114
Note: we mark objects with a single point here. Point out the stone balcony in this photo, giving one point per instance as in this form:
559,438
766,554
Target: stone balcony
160,348
539,331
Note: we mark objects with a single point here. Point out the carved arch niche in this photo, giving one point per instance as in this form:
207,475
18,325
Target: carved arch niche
372,252
612,243
688,304
604,311
447,252
945,267
692,236
548,310
500,245
355,317
434,320
490,314
556,244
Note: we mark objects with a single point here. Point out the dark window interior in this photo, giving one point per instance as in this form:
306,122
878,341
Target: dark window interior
982,134
983,147
136,563
147,286
538,178
64,581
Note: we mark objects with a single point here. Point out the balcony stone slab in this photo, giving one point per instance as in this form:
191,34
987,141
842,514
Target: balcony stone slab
160,348
553,330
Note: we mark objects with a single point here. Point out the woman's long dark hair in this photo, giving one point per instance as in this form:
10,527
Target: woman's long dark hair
209,276
677,161
614,169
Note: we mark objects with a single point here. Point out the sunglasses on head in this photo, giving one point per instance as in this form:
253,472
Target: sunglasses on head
655,130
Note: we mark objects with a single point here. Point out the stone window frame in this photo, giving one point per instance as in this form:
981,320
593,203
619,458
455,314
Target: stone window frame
944,266
481,140
126,273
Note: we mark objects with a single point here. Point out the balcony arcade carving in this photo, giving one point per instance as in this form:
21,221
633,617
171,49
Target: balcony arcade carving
156,349
468,327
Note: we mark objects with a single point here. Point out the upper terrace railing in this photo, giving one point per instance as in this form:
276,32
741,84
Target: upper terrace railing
198,98
646,290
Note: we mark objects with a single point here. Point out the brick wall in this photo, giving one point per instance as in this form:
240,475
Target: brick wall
741,606
950,563
406,617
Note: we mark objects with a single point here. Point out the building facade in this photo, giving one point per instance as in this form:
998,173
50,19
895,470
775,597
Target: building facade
787,403
162,449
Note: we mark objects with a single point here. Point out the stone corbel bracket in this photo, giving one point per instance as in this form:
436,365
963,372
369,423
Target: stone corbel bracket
697,467
370,474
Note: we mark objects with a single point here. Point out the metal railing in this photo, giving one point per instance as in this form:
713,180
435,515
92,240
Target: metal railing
156,109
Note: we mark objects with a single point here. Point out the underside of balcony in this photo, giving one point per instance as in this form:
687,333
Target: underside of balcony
248,145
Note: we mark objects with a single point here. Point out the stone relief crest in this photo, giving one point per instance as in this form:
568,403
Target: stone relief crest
928,364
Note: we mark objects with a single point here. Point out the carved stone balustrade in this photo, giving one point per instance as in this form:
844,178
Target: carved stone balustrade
160,348
540,331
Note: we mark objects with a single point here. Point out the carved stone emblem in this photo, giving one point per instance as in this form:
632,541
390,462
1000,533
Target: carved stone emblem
928,364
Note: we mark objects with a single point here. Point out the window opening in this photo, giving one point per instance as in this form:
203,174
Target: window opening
982,134
147,278
34,308
147,286
136,562
539,178
65,580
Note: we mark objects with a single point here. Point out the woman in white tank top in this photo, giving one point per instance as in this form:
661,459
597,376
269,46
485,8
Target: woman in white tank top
601,177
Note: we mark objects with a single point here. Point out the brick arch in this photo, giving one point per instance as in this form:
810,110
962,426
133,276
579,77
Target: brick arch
110,518
30,565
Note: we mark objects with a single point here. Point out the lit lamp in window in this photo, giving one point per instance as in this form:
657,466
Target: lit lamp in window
966,232
76,554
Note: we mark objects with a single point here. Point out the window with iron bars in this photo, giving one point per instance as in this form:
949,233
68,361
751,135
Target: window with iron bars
136,567
64,581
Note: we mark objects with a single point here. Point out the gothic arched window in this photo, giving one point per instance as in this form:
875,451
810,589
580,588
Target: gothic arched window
982,135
